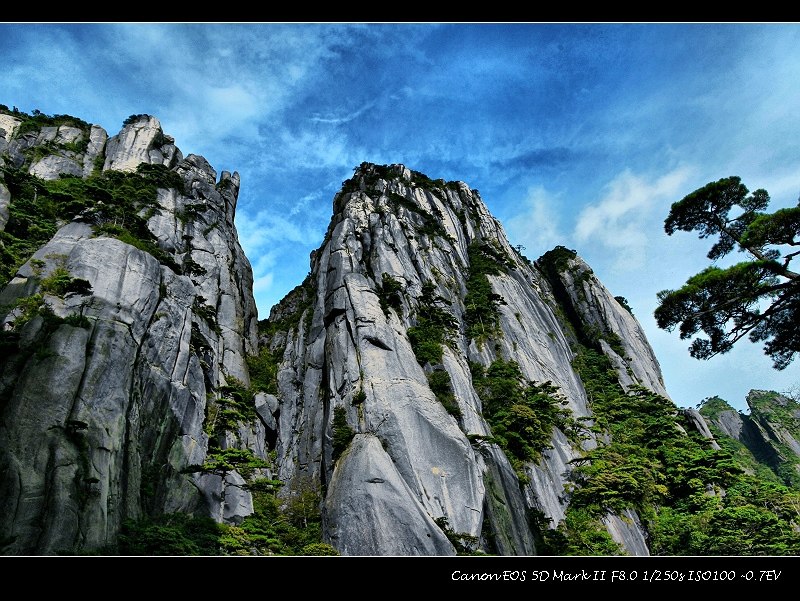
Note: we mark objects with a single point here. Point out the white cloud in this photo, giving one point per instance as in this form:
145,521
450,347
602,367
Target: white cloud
265,260
623,219
307,149
536,225
233,101
267,228
209,83
335,120
263,283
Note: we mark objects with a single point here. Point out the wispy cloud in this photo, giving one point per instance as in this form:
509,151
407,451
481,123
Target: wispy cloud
344,119
267,228
263,283
575,134
621,221
538,157
275,243
536,226
312,149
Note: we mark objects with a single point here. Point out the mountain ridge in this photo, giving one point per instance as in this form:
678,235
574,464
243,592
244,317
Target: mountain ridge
426,390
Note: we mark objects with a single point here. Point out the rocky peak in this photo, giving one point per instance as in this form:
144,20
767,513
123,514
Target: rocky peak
778,419
414,296
125,335
49,147
426,390
601,318
8,124
768,436
141,140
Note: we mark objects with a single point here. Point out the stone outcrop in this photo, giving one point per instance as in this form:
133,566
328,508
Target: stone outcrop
699,424
604,319
140,141
345,349
104,394
770,433
5,199
133,361
8,125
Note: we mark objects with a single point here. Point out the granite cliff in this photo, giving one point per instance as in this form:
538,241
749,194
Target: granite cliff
118,332
766,438
426,390
414,290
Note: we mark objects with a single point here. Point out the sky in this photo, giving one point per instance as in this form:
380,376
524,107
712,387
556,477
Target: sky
575,134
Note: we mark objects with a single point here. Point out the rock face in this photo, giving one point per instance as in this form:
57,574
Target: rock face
770,433
5,198
345,343
606,318
699,424
426,380
8,124
140,141
105,390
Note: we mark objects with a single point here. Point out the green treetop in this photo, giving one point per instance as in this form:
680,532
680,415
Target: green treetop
758,298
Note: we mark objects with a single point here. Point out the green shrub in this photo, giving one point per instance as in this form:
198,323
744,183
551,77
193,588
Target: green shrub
464,543
318,549
580,533
206,312
162,176
57,282
441,385
359,397
342,432
32,221
221,461
112,201
426,347
37,120
435,326
288,526
235,405
692,498
389,291
278,526
28,307
521,414
624,303
133,119
78,321
481,304
263,369
170,534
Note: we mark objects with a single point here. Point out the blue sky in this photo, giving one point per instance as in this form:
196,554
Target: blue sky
575,134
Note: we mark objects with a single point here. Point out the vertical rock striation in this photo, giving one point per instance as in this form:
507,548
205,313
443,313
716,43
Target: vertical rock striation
351,339
426,379
105,388
769,435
